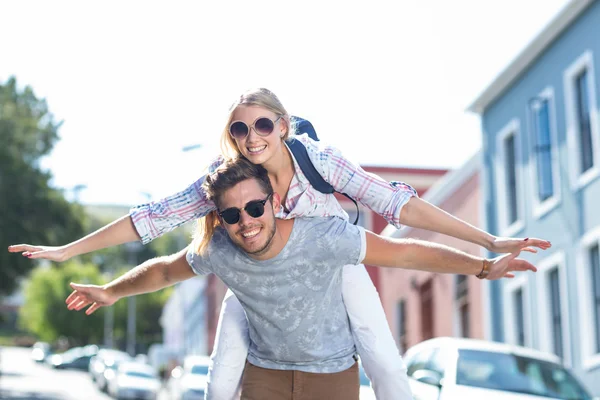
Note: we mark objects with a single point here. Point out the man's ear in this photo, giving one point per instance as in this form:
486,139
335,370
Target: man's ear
218,217
276,202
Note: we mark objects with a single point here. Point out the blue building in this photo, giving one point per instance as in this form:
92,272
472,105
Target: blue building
541,145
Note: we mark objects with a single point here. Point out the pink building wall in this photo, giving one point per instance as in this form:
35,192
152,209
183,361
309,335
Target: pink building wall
398,284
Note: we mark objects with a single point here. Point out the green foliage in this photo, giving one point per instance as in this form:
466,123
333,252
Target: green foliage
148,311
45,313
30,209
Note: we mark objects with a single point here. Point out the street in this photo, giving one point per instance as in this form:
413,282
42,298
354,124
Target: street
21,378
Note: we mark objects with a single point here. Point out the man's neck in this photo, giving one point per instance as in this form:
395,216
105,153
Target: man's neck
283,230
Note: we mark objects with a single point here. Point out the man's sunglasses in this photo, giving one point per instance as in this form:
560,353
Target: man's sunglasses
254,208
263,126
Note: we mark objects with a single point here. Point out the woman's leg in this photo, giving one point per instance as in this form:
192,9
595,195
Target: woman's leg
230,351
372,336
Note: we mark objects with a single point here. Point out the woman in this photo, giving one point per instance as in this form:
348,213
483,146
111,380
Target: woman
257,128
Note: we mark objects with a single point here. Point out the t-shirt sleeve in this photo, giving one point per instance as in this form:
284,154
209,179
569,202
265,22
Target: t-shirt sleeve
348,242
200,264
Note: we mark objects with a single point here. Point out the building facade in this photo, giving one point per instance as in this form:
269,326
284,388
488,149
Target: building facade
541,144
421,305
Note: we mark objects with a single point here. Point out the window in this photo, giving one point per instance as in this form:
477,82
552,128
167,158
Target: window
516,311
581,118
508,188
583,121
588,281
462,305
594,256
401,315
426,297
545,171
552,309
519,316
510,176
555,312
543,150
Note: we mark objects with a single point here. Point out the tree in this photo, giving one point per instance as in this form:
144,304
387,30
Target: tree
30,209
44,312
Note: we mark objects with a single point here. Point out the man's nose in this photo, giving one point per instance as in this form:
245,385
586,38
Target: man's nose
245,218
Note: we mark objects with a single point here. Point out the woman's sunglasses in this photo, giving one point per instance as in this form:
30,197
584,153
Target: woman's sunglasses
263,126
254,208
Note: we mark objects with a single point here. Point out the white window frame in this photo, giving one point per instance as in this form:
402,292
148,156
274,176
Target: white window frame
544,267
589,359
578,179
541,208
512,128
510,287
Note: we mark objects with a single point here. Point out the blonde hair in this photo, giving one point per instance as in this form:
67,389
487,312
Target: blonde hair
258,97
227,175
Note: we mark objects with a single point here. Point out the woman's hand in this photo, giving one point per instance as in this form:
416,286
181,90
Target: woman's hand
511,245
505,266
52,253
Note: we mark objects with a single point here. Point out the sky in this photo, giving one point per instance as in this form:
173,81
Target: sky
387,82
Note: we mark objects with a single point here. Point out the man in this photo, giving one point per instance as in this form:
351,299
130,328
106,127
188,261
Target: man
287,276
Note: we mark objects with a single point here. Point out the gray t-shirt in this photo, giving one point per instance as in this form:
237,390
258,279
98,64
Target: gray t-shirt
293,302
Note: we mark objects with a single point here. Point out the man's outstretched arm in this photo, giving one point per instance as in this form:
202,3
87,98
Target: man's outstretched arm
433,257
153,275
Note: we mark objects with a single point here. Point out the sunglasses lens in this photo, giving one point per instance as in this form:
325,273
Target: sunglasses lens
238,130
255,209
231,216
264,126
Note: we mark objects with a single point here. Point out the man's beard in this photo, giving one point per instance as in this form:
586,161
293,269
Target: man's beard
267,245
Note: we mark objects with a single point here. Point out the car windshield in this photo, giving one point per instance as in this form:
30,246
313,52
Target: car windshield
200,369
518,374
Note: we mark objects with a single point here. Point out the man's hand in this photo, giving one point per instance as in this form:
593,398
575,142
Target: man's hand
53,253
504,266
83,295
510,245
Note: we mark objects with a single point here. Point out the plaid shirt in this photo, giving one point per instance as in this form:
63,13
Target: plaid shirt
153,219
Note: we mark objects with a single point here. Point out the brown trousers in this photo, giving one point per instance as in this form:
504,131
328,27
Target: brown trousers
271,384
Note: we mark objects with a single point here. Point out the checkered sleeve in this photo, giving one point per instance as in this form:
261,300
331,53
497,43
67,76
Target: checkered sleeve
153,219
384,198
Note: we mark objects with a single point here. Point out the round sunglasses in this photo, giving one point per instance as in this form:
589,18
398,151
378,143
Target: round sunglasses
254,208
263,126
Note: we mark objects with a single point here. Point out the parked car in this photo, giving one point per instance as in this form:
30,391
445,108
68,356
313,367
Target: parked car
188,382
40,351
135,380
452,368
103,366
75,358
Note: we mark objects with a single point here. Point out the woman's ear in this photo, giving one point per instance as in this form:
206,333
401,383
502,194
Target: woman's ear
284,128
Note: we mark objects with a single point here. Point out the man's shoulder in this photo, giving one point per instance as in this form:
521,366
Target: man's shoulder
332,225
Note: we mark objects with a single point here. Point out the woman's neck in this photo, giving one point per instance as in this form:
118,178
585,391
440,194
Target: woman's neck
280,166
